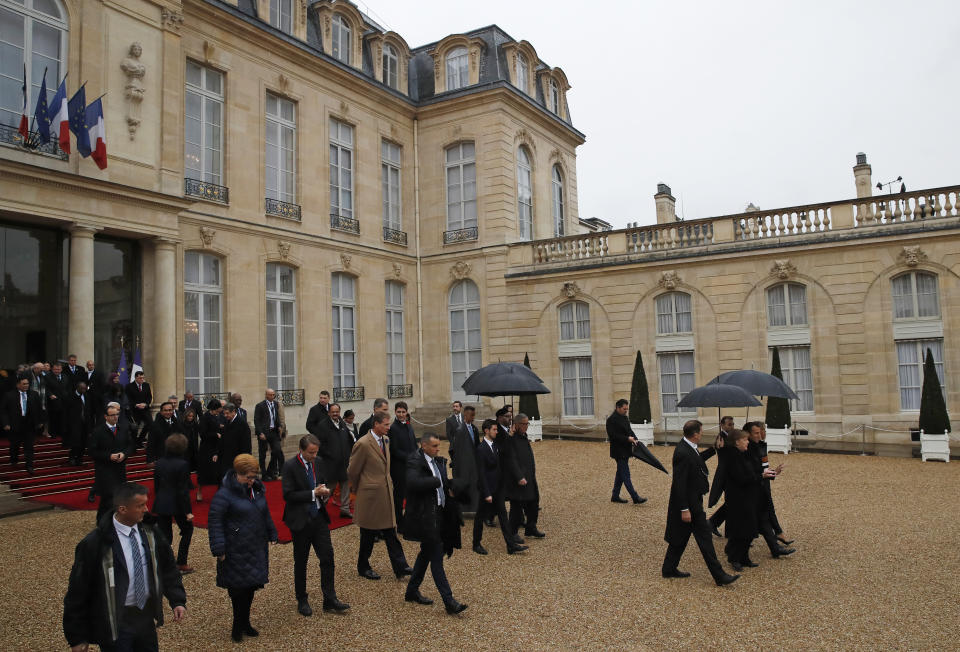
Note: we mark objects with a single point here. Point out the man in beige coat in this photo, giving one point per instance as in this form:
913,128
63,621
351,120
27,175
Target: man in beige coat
369,475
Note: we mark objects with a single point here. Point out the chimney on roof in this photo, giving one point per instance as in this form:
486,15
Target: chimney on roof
862,174
666,204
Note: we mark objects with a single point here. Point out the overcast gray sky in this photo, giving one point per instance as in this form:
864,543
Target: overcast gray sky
736,101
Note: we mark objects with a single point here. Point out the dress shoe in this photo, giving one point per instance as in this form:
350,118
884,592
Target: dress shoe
453,607
184,569
725,579
519,540
236,634
250,631
785,541
783,552
514,549
536,534
480,550
749,563
716,532
675,573
304,607
617,499
489,523
335,605
403,572
370,574
639,500
737,566
416,596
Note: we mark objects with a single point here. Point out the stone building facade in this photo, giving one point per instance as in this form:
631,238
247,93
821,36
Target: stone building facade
297,198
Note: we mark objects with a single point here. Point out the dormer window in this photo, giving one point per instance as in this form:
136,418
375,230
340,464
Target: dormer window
340,39
281,15
391,66
523,72
554,100
457,69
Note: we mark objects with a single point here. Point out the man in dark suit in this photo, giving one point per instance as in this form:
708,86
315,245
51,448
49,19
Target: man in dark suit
189,403
75,373
685,515
379,405
58,388
235,440
237,400
95,380
305,494
490,479
81,415
164,426
403,441
21,421
622,442
336,441
455,420
121,572
38,384
266,427
720,478
463,459
318,414
110,445
429,491
140,397
522,488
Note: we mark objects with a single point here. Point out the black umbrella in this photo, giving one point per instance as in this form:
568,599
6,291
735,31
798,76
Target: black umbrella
504,379
642,453
757,383
718,395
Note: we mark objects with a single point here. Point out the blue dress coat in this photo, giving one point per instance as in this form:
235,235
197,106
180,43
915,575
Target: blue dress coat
241,528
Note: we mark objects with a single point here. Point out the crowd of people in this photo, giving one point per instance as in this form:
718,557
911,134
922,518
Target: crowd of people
379,474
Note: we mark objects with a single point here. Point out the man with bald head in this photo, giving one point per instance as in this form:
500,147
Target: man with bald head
266,424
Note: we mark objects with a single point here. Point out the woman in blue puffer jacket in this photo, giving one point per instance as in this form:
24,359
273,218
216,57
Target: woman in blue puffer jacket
240,529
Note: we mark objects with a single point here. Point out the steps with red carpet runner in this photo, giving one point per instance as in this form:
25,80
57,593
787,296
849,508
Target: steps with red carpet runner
69,486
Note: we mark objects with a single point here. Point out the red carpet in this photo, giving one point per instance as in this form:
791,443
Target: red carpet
68,487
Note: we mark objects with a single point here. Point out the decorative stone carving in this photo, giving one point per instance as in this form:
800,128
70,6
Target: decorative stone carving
460,270
134,89
345,260
208,50
303,14
523,138
283,83
913,255
393,130
783,269
457,130
344,108
207,234
669,280
172,20
284,248
570,289
397,269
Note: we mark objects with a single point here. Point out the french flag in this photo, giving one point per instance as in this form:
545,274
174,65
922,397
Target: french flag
60,116
24,128
98,133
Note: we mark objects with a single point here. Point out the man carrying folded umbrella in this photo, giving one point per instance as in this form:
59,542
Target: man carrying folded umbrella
622,442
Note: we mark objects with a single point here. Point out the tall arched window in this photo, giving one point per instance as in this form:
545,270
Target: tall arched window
344,330
465,345
915,295
524,195
558,226
203,323
281,327
674,314
457,69
576,359
340,39
391,66
33,33
574,321
461,187
394,335
523,72
787,305
281,15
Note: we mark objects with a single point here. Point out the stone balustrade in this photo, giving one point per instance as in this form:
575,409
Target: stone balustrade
571,247
931,204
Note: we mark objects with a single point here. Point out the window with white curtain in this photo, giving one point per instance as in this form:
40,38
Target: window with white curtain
344,330
677,378
281,327
457,69
554,97
391,66
524,195
203,124
281,151
910,357
390,172
787,305
798,374
523,72
395,346
340,39
577,381
674,313
574,321
203,323
915,295
33,33
461,187
281,15
558,221
341,168
465,345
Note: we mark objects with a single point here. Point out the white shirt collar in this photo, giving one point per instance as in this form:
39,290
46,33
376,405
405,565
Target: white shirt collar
692,445
122,530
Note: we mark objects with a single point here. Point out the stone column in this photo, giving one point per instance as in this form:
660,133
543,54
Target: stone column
165,322
80,323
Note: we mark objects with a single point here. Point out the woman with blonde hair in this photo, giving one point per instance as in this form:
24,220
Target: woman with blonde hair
240,529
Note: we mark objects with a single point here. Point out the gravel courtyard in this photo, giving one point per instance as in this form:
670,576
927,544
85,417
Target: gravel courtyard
877,567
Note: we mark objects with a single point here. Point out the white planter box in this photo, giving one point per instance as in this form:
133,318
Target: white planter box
778,440
935,447
535,430
643,432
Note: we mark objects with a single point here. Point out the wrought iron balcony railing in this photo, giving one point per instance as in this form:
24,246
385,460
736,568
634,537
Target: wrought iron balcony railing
460,235
282,209
205,190
291,396
394,236
345,224
400,391
347,394
11,136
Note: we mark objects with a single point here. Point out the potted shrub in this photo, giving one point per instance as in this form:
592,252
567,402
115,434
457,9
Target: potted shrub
934,420
778,414
641,421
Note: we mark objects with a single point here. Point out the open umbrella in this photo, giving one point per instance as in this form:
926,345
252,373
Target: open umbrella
642,453
504,379
757,383
718,395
